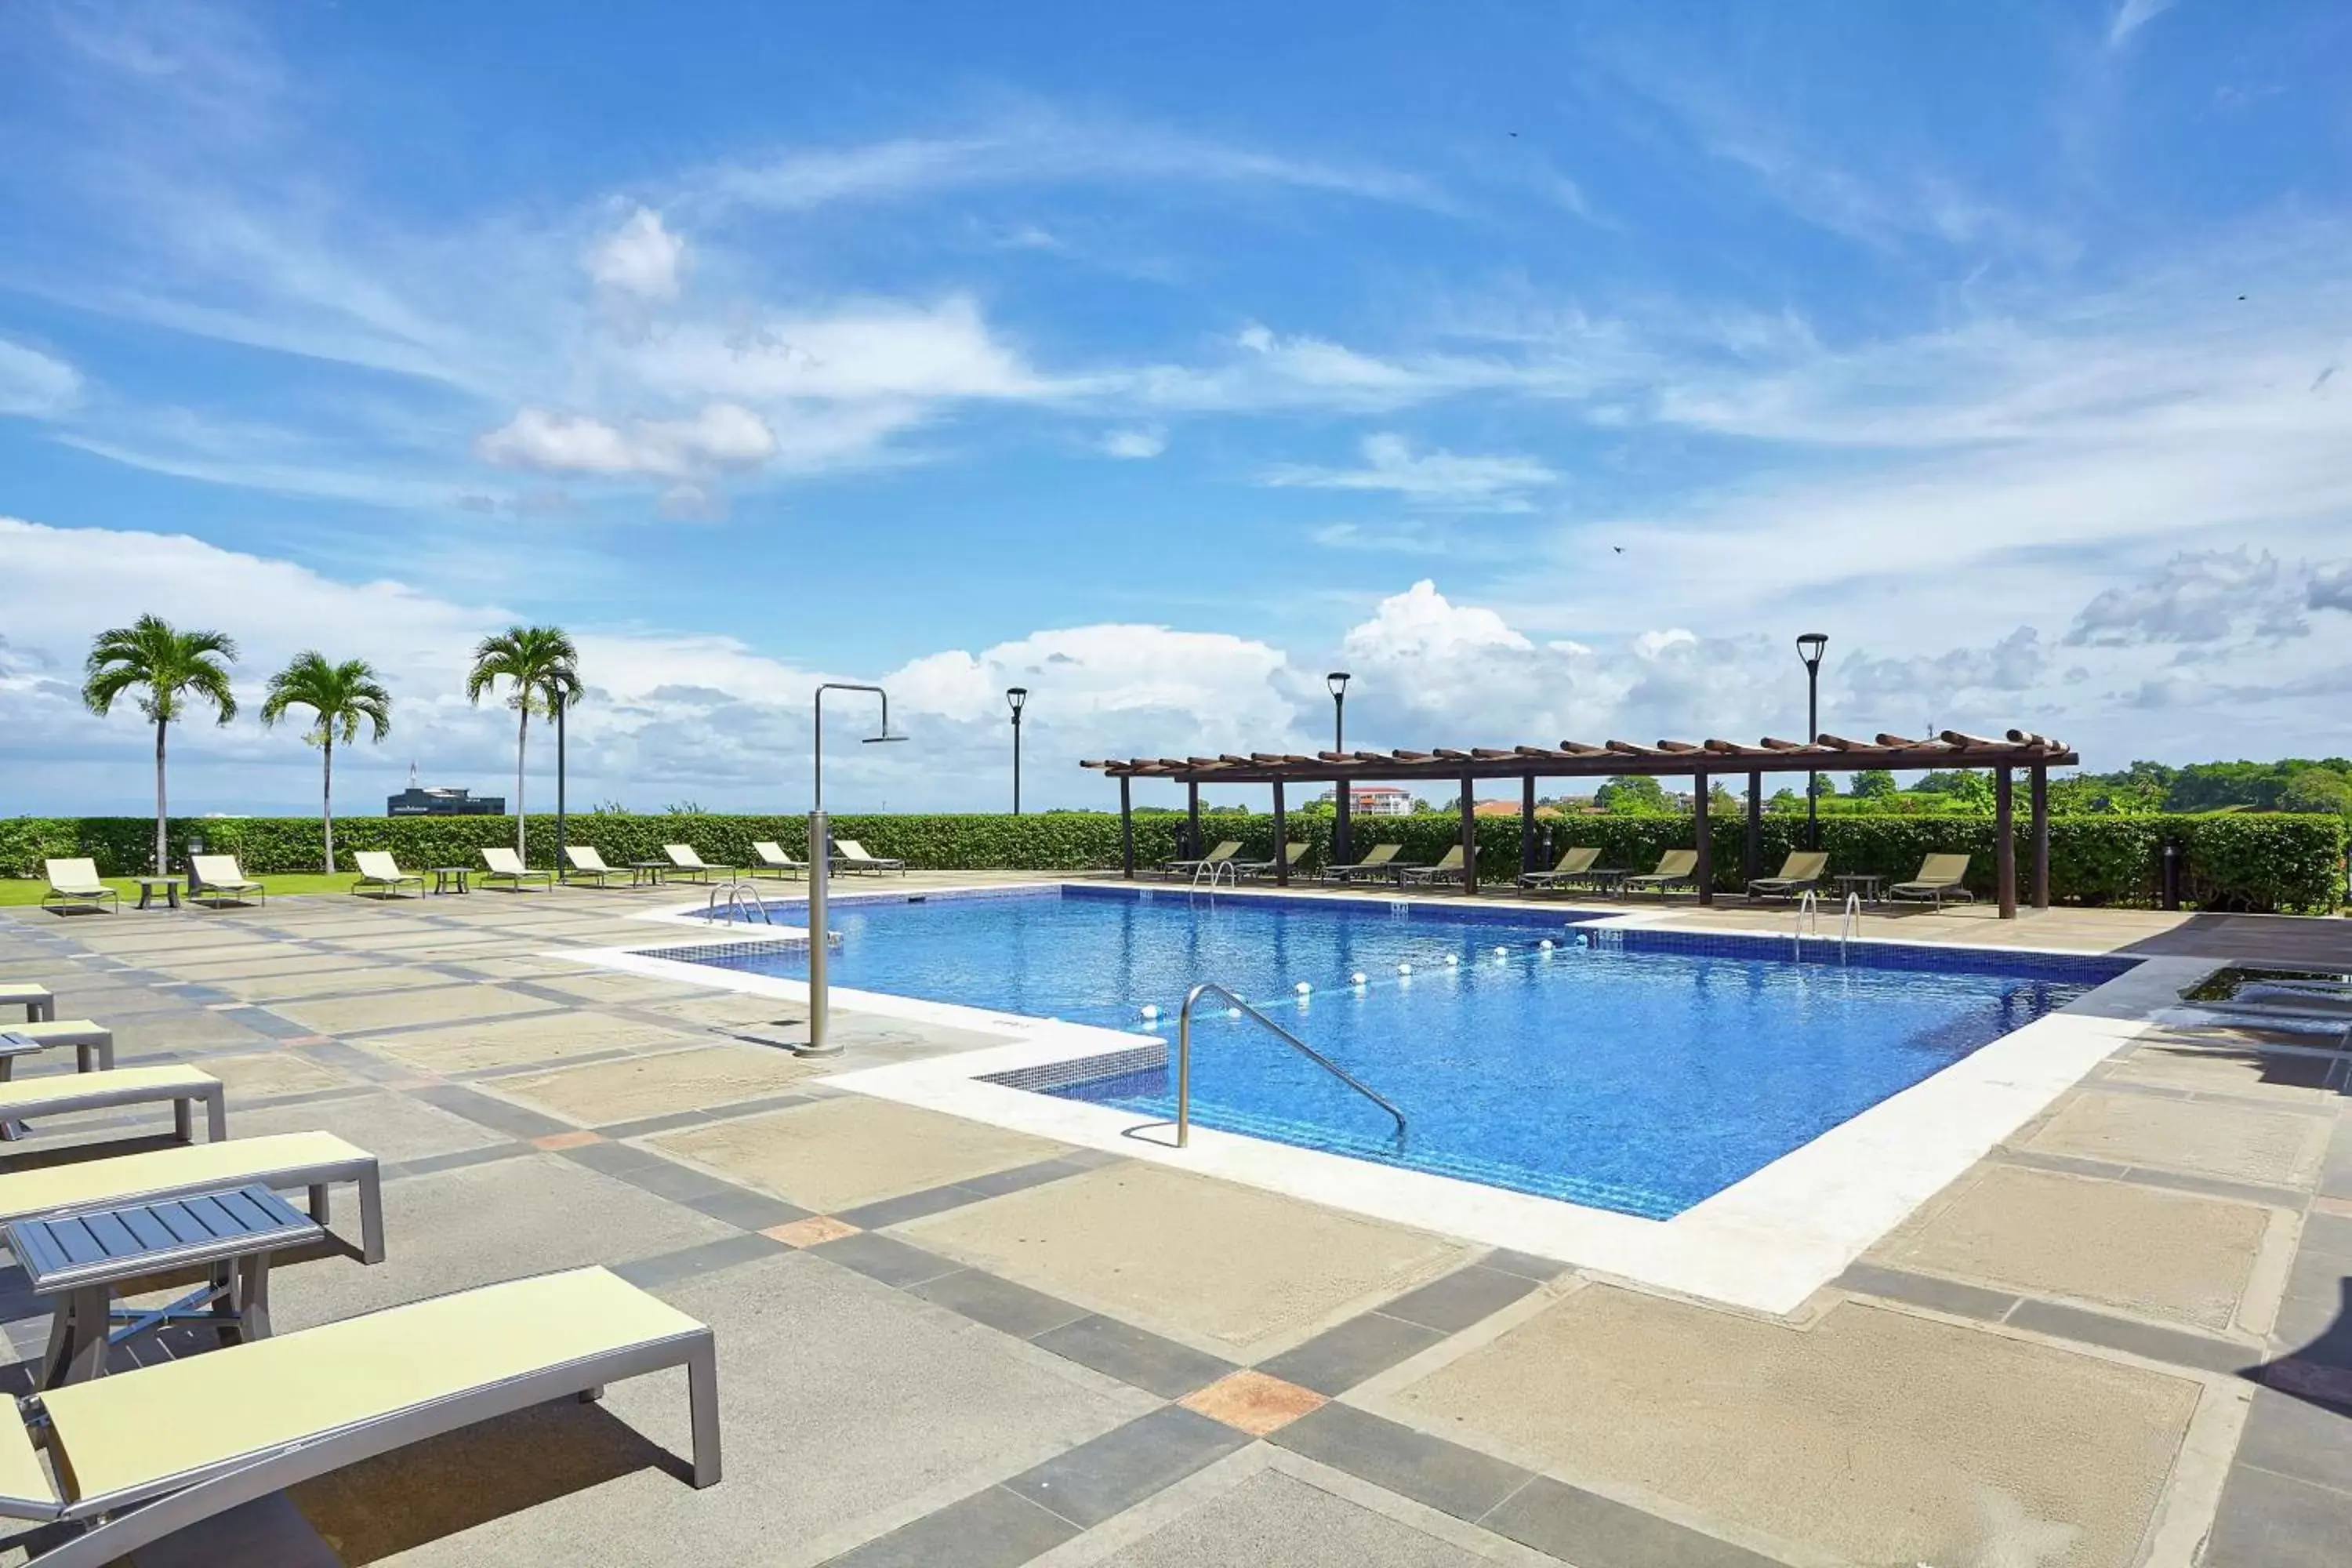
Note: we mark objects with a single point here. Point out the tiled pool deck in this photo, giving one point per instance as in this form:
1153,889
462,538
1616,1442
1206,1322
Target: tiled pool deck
2123,1337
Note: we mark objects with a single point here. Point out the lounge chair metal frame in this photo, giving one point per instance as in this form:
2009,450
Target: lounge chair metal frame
858,859
515,875
1661,881
1561,870
685,860
1448,869
1922,889
133,1517
588,862
1253,869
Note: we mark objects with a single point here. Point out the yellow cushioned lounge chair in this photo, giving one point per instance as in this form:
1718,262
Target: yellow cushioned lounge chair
685,862
1447,869
1799,873
282,1161
775,862
848,855
74,884
1939,878
1573,865
381,874
1224,851
1375,863
219,880
506,866
141,1453
1677,868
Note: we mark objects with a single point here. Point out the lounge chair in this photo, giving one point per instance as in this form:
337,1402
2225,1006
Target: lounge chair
93,1044
282,1161
219,880
685,862
771,861
848,855
1574,866
1939,878
1223,852
1799,873
144,1453
37,1001
1374,864
74,884
1255,868
184,1088
506,866
1448,869
379,871
588,862
1677,868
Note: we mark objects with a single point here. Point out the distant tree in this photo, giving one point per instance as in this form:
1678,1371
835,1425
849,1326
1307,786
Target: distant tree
2317,789
1971,791
682,808
1784,799
171,667
1875,784
339,697
531,660
1636,796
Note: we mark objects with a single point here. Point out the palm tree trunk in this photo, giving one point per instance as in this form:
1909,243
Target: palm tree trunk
327,800
159,851
522,727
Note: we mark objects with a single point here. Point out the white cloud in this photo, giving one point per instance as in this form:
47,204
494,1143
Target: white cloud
723,436
1134,444
1439,479
2208,596
641,257
33,384
2132,16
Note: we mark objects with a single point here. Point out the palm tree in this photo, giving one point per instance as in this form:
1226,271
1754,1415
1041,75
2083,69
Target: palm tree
338,695
172,666
533,661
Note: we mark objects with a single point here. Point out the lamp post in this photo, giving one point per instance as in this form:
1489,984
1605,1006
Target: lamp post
820,862
1016,697
1809,648
1338,681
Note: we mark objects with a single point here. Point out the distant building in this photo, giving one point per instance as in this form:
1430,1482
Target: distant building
1375,800
415,801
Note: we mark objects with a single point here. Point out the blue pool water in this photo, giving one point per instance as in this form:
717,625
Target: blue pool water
1638,1071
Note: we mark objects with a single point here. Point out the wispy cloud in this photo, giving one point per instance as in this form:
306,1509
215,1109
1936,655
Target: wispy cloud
2132,16
35,384
1436,479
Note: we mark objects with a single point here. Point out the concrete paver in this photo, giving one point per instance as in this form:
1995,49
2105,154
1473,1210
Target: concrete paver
1878,1435
2165,1254
2235,1143
694,1080
800,1154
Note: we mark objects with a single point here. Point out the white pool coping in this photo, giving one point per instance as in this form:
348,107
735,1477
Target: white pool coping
1765,1242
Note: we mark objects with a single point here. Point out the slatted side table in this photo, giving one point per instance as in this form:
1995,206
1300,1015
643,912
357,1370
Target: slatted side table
80,1259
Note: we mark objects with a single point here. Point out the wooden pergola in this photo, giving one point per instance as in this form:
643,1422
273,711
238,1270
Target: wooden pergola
1702,761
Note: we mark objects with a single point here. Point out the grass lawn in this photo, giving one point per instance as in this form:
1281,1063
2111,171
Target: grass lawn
20,890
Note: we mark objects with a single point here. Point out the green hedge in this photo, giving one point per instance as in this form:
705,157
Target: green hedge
2229,861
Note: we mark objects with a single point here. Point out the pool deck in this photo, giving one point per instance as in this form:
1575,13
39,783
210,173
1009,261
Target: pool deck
2124,1336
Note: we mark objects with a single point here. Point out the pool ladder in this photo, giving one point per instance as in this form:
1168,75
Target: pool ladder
737,897
1184,1058
1849,922
1211,868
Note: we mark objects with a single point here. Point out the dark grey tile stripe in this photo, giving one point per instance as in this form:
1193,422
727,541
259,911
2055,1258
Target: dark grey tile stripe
1112,1473
2154,1176
487,1110
692,1262
990,1529
2060,1320
1134,1355
882,1258
1344,1355
1002,1304
456,1159
1594,1532
957,1194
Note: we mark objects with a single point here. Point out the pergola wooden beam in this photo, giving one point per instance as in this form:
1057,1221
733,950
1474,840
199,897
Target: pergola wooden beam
1575,758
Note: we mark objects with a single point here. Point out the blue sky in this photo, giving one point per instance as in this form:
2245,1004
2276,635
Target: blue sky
1550,367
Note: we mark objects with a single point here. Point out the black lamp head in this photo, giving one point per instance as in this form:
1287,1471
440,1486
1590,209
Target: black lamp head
1338,681
1016,696
1809,648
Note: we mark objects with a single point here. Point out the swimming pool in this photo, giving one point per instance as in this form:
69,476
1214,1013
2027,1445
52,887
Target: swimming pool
1634,1070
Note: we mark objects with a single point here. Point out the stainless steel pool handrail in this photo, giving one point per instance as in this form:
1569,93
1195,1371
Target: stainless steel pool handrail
1808,904
1185,1059
738,895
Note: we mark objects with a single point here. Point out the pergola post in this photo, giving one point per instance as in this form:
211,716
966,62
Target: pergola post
1527,823
1751,855
1281,839
1342,799
2004,848
1469,835
2040,799
1706,839
1127,828
1193,817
